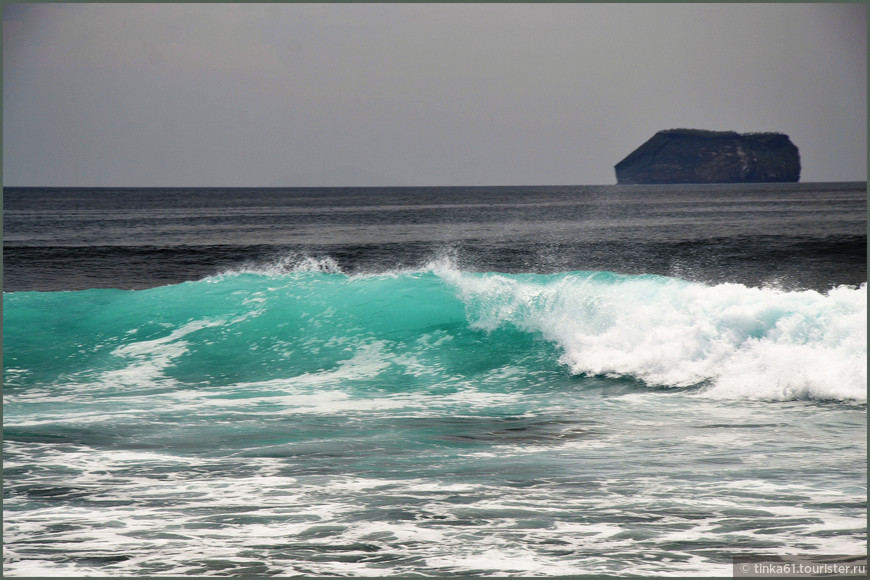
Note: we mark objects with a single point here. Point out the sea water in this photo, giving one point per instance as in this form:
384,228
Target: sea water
433,381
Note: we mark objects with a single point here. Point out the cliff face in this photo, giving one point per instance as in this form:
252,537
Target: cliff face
694,156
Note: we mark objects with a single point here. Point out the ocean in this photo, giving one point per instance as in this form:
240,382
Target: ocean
438,381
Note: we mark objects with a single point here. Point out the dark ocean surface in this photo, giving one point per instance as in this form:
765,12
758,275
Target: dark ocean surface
483,381
796,235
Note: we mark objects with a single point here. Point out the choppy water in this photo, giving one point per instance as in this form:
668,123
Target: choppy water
436,382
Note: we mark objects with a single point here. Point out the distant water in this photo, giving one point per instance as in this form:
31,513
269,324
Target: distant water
442,381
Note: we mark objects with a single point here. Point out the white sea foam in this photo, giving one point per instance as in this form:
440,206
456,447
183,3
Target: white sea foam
149,358
738,341
179,521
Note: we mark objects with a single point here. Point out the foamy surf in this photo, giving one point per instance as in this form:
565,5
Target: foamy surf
732,340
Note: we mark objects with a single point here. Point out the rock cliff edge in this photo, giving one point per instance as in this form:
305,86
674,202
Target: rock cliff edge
696,156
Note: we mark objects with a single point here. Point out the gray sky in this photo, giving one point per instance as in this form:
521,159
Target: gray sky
416,94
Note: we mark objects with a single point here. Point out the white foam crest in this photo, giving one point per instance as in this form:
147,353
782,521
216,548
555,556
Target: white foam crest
298,263
740,342
284,265
443,262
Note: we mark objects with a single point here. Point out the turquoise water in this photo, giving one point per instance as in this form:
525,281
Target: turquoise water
294,419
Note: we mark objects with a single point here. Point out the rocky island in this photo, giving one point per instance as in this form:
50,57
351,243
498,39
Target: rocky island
697,156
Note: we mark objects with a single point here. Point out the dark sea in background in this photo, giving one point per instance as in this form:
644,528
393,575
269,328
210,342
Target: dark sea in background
796,235
472,381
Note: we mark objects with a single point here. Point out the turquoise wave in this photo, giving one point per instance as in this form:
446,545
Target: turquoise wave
435,329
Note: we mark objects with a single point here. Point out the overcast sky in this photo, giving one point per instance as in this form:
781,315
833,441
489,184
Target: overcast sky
416,94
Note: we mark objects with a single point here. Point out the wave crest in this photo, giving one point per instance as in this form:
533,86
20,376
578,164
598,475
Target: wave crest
293,263
733,341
